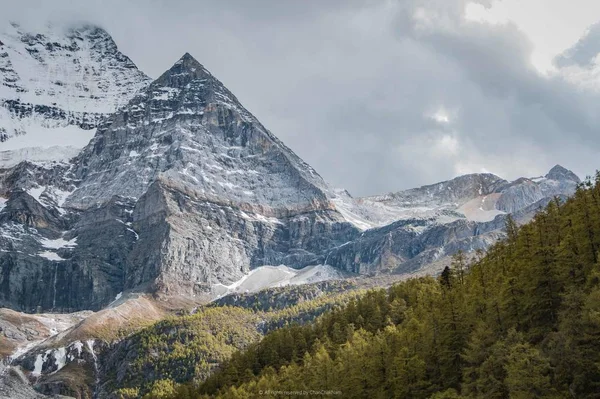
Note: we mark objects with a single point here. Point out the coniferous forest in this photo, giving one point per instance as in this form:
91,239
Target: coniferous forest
521,321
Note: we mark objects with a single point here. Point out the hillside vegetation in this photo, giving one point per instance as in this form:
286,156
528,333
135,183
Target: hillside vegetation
189,348
523,321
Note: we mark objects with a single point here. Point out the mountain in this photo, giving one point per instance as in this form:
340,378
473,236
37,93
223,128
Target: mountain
182,192
197,191
408,230
56,85
213,187
519,322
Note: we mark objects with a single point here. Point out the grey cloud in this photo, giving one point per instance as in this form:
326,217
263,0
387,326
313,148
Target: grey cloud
583,52
352,86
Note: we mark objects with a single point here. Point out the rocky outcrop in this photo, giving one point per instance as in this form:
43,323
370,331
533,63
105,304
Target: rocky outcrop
561,174
63,261
205,243
70,371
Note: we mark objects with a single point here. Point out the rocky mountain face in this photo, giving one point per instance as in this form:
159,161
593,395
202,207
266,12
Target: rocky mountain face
179,190
182,191
56,85
405,231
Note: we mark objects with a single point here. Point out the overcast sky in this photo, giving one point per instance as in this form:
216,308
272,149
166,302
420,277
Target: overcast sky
383,95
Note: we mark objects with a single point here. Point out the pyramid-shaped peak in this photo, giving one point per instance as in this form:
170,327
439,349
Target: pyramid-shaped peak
188,61
559,172
187,68
191,79
187,57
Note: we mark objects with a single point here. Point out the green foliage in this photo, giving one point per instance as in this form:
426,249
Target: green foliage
523,321
127,393
189,348
161,389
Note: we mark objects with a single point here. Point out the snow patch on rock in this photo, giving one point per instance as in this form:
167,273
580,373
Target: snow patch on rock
278,276
59,243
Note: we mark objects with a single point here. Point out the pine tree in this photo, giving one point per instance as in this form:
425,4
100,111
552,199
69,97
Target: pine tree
527,373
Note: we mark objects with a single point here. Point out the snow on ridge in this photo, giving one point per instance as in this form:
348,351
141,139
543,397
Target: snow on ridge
115,301
39,363
9,158
36,192
49,196
481,209
60,357
367,213
98,80
53,245
256,217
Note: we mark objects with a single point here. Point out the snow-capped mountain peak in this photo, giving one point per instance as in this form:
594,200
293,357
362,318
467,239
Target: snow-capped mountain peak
182,190
56,85
189,129
475,197
188,68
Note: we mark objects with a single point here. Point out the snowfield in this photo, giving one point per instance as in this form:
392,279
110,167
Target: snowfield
278,276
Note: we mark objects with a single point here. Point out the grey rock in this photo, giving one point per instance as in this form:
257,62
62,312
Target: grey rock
179,190
456,191
560,173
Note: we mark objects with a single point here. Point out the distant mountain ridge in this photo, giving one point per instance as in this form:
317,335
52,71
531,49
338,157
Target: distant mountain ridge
477,197
408,230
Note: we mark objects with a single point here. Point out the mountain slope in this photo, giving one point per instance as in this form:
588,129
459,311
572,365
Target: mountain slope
188,127
197,191
476,197
408,230
226,188
56,85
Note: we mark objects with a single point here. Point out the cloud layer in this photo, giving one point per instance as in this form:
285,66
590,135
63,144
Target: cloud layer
376,95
